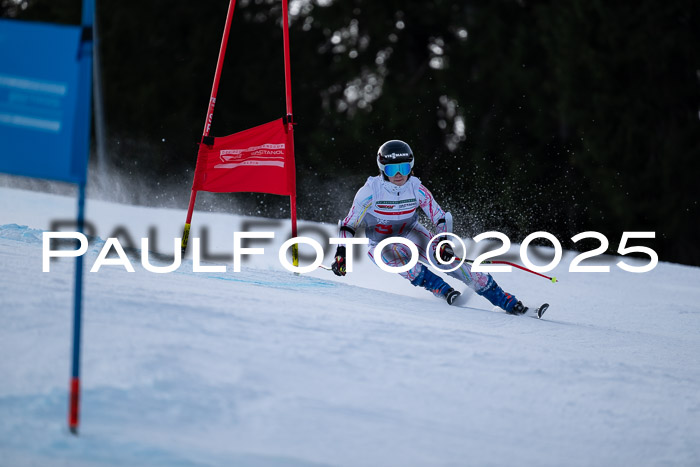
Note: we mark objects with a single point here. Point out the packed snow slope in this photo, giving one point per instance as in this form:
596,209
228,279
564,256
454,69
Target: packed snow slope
266,368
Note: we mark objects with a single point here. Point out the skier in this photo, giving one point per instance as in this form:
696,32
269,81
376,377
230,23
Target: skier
387,206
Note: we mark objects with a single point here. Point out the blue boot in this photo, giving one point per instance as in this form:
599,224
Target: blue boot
495,294
435,284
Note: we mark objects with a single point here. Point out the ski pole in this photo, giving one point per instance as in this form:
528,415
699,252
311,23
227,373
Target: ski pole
553,279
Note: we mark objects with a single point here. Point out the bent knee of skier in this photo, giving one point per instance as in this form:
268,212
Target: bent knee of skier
477,281
395,256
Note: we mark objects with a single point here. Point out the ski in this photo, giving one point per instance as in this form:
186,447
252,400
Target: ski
540,310
535,313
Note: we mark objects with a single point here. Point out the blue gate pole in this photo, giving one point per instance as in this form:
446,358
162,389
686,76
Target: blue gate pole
82,148
77,322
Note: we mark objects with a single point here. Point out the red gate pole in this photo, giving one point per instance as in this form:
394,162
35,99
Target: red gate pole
290,127
209,117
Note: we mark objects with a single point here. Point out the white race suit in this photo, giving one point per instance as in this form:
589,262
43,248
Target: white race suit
388,210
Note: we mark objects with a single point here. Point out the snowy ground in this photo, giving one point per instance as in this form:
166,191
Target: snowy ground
265,368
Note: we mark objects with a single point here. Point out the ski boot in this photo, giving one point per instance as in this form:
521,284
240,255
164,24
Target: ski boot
495,294
436,285
518,309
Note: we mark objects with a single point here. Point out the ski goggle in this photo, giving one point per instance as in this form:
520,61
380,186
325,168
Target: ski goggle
392,169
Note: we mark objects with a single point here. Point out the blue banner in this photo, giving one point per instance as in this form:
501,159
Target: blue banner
45,82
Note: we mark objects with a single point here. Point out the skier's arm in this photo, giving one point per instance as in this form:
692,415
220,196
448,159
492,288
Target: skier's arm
360,206
433,210
442,221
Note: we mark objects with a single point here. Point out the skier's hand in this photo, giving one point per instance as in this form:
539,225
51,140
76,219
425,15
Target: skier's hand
445,252
338,265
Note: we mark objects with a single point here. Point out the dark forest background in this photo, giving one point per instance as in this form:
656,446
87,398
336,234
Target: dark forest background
564,116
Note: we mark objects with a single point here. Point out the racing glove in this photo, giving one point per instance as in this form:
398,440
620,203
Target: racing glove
445,252
338,265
